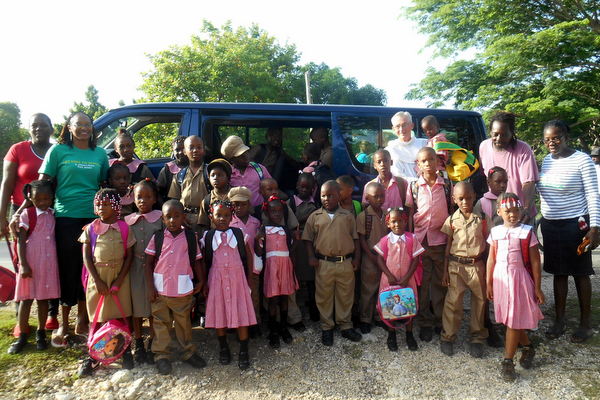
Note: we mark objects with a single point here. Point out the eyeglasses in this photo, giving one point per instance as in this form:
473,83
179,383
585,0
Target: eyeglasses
84,125
556,139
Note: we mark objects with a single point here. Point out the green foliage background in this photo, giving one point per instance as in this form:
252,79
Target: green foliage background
10,130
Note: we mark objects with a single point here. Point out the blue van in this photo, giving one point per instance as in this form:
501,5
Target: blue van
353,129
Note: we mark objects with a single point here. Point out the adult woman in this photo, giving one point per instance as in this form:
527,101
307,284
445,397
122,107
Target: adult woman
21,165
569,194
503,149
78,167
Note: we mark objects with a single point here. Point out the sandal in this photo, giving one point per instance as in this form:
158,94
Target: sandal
581,335
556,330
58,341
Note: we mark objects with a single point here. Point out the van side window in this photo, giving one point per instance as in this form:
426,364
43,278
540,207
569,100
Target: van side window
153,134
361,135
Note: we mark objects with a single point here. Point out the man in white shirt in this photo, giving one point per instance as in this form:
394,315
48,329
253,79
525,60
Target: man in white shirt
595,154
404,149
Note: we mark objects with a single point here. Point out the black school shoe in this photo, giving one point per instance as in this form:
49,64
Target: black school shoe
196,361
40,340
286,336
365,327
224,355
411,343
447,348
426,334
476,350
351,335
243,360
163,366
140,351
327,337
127,359
392,343
19,345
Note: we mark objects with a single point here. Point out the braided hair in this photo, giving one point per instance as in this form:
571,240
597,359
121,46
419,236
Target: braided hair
111,195
221,203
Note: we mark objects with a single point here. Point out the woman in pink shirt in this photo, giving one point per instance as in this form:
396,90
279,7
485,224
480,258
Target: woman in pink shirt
503,149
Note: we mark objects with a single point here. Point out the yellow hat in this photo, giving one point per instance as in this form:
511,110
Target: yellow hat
239,193
233,146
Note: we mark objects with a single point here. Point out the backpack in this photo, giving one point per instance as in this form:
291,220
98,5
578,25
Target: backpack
414,189
524,251
113,330
181,176
190,237
123,228
461,162
258,169
239,237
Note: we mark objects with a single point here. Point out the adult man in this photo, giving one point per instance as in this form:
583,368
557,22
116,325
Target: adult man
404,149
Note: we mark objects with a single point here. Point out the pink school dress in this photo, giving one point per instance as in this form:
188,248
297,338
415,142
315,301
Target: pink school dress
393,250
515,304
228,304
41,255
279,279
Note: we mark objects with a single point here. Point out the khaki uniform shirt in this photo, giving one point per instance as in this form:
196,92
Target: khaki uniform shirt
192,190
378,227
331,237
468,238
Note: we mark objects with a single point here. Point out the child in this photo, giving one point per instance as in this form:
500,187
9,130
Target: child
172,168
173,259
371,227
346,183
332,243
190,184
119,178
398,265
511,285
431,128
244,172
219,174
37,278
143,224
497,181
228,304
125,147
311,156
240,198
107,256
429,199
464,269
302,205
274,242
395,187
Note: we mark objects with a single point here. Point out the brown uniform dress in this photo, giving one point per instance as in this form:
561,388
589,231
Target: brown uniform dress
108,259
468,240
334,281
191,192
373,227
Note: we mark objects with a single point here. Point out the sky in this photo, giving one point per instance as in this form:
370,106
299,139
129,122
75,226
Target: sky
53,50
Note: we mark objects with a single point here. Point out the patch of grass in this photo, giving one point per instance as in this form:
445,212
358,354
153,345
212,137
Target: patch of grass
33,363
588,383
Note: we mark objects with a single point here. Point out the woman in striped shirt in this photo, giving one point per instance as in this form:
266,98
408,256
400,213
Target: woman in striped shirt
571,213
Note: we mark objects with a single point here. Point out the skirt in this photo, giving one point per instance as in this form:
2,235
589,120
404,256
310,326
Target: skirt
561,238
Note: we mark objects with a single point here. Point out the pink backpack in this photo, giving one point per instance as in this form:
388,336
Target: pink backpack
123,228
108,343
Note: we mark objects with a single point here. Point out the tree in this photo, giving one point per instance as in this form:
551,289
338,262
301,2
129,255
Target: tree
91,106
246,65
536,58
10,130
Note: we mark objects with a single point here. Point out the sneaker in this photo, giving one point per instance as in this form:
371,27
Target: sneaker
87,367
426,334
392,343
40,340
140,351
527,355
224,355
411,343
476,350
243,360
286,336
196,361
163,366
51,323
365,327
447,348
327,337
298,327
127,359
19,345
508,370
351,335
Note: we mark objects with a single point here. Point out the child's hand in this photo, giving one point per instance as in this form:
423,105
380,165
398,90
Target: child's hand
114,289
25,271
490,291
446,279
102,287
404,281
313,262
392,280
539,295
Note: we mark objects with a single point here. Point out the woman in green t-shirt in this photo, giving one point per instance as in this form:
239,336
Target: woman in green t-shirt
78,167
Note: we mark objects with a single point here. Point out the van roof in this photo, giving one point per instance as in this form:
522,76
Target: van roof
290,107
